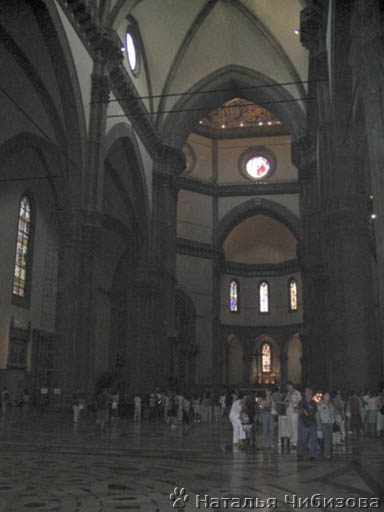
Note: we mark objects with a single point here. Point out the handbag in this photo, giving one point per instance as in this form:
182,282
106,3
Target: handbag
336,428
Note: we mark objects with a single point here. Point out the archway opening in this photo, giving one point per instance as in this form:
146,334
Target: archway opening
265,366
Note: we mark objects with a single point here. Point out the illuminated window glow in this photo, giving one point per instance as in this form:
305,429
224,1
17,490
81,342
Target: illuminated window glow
130,48
293,304
258,167
234,297
264,297
22,244
266,357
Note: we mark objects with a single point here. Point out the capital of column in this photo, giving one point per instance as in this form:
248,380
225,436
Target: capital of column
312,22
110,48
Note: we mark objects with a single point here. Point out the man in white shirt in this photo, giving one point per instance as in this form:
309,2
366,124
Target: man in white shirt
292,400
234,416
137,413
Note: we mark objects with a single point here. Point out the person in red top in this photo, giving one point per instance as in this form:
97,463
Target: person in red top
354,406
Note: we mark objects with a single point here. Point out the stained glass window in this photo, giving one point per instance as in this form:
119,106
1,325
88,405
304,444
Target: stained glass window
264,297
293,304
234,296
22,244
258,167
266,357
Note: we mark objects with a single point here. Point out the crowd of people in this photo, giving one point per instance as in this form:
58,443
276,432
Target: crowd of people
289,418
321,420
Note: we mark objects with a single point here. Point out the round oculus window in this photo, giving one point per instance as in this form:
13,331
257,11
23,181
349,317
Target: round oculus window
258,167
130,48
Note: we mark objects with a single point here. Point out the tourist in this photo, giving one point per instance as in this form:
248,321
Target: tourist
4,400
196,408
223,404
216,408
152,407
339,430
179,403
354,408
269,412
247,418
137,408
307,425
102,408
372,412
115,405
186,409
380,415
206,408
292,400
234,416
327,414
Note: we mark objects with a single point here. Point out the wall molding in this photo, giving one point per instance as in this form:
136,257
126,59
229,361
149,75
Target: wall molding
261,270
237,189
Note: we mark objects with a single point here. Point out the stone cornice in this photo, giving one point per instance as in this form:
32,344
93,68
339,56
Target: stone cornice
261,270
242,189
197,249
99,41
241,133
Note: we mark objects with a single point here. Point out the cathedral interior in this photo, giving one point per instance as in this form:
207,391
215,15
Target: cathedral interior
191,197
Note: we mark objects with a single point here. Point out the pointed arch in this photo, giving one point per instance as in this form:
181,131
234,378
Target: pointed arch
254,207
227,83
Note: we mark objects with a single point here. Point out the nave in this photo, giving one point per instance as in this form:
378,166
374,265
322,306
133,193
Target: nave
48,464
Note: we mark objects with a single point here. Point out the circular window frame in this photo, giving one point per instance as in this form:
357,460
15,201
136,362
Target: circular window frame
255,151
132,31
191,168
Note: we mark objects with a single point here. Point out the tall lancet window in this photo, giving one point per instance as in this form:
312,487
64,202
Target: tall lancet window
264,306
234,296
292,289
23,246
266,357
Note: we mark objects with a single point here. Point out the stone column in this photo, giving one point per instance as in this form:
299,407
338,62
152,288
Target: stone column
74,311
305,157
79,234
348,336
367,62
100,90
168,164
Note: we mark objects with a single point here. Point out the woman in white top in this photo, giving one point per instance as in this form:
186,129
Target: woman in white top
327,414
234,416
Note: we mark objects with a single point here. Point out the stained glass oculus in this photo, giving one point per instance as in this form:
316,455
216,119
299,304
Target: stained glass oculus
258,167
22,245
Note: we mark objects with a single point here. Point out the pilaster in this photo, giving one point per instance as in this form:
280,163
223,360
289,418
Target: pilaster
168,164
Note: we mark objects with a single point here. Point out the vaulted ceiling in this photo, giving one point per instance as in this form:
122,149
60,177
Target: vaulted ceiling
186,41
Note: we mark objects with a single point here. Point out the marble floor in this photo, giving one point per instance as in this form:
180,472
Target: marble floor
49,464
